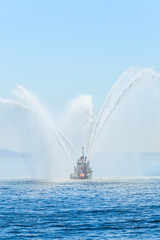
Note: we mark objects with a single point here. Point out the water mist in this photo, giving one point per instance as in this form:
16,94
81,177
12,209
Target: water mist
128,123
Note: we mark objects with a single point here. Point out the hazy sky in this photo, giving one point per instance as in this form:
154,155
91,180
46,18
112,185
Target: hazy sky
61,48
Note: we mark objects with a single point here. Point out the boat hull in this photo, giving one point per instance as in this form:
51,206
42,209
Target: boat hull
73,176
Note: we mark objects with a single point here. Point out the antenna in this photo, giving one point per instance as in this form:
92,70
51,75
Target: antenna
82,151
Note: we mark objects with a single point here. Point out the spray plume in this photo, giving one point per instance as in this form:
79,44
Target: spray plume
119,90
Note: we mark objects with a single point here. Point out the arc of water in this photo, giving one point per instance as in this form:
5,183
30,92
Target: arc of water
67,139
56,131
25,107
132,83
101,112
23,93
63,145
14,103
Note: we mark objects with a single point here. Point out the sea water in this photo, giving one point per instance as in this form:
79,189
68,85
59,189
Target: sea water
97,209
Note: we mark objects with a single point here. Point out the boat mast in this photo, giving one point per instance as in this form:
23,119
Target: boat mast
82,152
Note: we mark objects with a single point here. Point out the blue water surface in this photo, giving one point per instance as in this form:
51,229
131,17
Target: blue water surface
110,209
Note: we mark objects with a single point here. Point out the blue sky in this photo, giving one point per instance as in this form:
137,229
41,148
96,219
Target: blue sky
61,48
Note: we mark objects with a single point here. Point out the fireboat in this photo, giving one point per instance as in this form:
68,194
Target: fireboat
83,169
